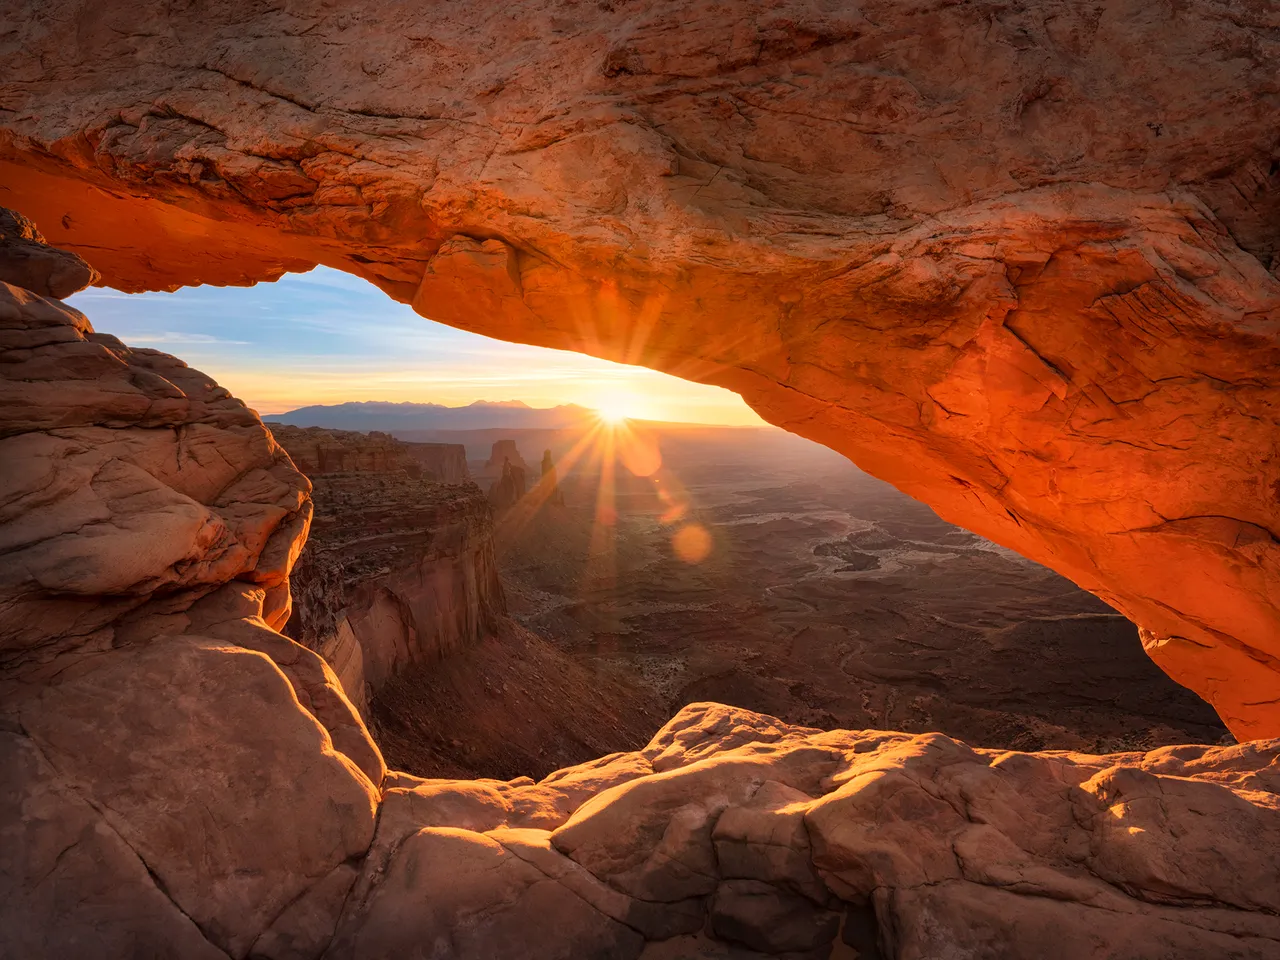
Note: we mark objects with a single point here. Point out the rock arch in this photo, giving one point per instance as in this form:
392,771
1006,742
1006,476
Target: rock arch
1015,259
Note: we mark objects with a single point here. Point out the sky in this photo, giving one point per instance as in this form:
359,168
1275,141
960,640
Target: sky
328,337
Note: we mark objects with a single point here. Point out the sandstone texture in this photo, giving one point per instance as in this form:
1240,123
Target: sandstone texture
1015,259
178,778
732,830
132,486
397,572
29,262
182,781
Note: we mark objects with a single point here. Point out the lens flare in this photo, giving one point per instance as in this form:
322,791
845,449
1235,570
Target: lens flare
638,451
692,543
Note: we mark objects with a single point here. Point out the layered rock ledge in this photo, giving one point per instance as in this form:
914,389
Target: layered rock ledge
398,571
1016,260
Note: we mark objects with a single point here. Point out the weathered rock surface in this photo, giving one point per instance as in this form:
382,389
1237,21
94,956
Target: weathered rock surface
132,487
180,780
156,731
1015,260
785,840
397,572
29,262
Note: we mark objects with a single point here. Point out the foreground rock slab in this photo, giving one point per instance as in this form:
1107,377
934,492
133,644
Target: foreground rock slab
1016,260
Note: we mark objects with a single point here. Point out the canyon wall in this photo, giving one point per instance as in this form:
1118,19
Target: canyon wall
1016,260
441,462
319,450
398,571
182,781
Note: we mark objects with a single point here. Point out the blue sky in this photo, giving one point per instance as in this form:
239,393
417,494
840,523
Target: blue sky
327,337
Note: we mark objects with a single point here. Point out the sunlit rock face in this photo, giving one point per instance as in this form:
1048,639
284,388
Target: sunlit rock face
180,780
317,450
1014,260
730,826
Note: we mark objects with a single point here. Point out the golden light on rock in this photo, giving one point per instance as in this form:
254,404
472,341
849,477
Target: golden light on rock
692,543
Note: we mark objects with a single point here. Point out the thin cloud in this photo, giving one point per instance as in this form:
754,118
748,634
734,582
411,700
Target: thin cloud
175,336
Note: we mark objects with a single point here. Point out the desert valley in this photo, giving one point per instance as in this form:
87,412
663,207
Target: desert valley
824,598
956,636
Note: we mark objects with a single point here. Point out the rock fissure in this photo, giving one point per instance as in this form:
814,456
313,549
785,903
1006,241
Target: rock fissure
86,797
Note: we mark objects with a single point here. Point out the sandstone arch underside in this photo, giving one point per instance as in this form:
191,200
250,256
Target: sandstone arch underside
1017,259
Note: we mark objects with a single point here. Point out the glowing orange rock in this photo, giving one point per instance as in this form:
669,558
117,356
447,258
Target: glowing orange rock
1016,263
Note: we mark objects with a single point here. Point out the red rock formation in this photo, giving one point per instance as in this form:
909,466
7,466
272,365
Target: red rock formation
504,451
318,450
182,780
147,708
442,462
508,488
398,572
1014,260
549,482
29,262
788,841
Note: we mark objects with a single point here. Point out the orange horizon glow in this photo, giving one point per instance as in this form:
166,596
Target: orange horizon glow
325,337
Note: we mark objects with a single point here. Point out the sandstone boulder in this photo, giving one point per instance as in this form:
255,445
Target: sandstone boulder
200,758
895,845
180,779
134,485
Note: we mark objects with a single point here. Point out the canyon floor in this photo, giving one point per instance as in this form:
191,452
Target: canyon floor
827,599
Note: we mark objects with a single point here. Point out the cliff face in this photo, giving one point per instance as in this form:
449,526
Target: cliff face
318,450
442,462
397,573
1014,259
181,780
399,570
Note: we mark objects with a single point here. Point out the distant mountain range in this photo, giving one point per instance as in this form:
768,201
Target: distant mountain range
381,415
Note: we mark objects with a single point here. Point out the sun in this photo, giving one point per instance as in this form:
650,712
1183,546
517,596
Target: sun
615,408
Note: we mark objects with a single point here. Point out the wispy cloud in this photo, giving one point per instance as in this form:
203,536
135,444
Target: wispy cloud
176,336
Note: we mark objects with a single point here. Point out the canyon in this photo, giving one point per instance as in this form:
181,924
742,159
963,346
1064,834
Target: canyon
1019,261
399,570
398,589
826,599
